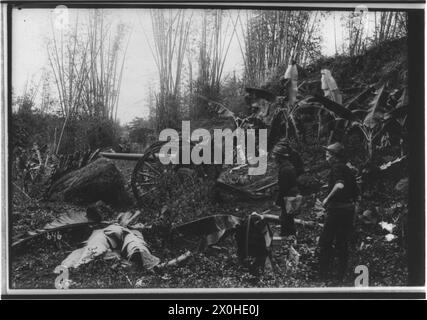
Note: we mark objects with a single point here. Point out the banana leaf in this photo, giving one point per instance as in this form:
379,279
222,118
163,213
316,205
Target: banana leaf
359,113
339,110
397,113
360,97
261,93
374,172
65,223
395,120
403,100
401,109
305,104
390,125
70,218
219,108
212,228
391,164
376,111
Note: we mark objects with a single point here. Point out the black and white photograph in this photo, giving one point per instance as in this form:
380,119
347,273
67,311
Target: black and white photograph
212,146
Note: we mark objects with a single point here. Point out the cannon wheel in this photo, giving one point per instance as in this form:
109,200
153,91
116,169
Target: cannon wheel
148,171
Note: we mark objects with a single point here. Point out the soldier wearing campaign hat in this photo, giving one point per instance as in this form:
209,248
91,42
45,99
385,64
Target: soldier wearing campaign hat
342,192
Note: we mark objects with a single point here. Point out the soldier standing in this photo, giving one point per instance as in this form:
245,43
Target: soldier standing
287,179
340,212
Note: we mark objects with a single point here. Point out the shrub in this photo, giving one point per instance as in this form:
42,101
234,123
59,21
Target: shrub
88,133
187,198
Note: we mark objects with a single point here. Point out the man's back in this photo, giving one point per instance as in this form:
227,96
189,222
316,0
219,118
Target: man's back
341,173
287,182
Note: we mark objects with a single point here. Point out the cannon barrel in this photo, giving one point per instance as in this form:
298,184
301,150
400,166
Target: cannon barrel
122,156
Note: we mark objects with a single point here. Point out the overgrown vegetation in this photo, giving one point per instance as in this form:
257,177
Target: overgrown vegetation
372,74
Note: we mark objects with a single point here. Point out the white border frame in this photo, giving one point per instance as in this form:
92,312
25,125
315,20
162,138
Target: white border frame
4,266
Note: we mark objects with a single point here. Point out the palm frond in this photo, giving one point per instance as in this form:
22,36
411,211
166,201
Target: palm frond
65,223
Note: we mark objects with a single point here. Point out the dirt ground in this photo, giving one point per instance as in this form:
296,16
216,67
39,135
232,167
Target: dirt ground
217,267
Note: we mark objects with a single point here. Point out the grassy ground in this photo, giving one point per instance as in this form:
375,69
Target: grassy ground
216,267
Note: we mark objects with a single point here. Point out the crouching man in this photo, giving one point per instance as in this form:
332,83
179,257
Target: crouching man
340,212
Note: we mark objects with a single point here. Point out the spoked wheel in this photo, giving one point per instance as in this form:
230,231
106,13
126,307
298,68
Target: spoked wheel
146,177
148,174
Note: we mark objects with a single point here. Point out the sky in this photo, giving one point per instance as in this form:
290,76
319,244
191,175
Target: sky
32,27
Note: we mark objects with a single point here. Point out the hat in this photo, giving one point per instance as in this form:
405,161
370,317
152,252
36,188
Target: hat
261,93
336,149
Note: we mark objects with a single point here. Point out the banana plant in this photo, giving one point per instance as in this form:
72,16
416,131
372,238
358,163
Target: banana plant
373,122
225,112
396,119
340,120
71,222
285,117
67,222
371,126
212,228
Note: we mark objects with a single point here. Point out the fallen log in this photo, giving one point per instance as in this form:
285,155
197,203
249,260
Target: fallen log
100,180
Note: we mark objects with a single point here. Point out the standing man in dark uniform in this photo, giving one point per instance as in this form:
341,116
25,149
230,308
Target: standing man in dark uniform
287,180
340,212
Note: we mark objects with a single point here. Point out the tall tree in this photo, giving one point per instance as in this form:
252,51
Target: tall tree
105,67
273,38
170,33
87,75
216,34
